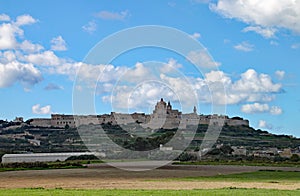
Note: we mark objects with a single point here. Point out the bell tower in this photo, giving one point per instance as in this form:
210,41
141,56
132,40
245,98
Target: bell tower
195,110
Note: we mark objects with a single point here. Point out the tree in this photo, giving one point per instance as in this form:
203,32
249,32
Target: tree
226,149
295,158
67,126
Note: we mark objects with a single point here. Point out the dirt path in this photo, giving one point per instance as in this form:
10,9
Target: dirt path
102,176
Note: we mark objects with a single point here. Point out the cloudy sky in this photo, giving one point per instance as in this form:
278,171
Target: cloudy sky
251,48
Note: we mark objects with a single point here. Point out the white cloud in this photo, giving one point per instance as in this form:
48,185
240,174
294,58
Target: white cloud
91,27
52,86
195,35
25,20
244,46
7,57
47,58
256,83
295,46
29,47
265,32
280,74
275,110
137,74
274,43
255,108
4,17
37,109
58,44
261,108
250,87
201,1
216,87
107,15
263,124
14,71
171,66
202,59
8,33
267,14
143,96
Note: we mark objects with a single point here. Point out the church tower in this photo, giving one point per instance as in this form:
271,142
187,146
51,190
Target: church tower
195,110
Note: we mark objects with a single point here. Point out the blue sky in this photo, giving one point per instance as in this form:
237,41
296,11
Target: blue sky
254,45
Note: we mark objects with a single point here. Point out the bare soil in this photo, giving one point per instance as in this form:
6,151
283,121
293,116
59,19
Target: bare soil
106,177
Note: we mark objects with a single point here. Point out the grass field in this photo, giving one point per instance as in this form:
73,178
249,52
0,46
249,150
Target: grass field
258,176
239,163
182,180
227,191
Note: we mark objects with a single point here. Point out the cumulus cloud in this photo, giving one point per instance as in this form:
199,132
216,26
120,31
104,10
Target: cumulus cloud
25,20
15,71
58,44
265,15
261,108
90,27
171,66
202,59
144,95
264,124
29,47
10,31
108,15
215,87
255,108
137,74
52,86
46,58
244,46
295,46
4,17
7,56
275,110
195,35
274,43
280,74
265,32
201,1
37,109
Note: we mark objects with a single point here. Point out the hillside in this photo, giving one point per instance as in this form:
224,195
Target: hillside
27,138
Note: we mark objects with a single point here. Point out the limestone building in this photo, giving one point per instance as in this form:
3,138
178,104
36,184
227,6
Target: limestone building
163,116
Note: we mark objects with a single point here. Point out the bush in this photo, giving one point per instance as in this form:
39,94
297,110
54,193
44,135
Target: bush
185,156
82,157
295,158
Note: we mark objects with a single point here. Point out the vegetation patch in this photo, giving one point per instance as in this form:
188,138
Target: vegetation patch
270,176
40,166
226,191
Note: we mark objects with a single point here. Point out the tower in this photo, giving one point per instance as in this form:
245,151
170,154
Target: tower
195,110
169,107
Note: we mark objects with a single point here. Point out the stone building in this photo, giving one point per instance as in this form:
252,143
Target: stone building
61,120
42,122
163,116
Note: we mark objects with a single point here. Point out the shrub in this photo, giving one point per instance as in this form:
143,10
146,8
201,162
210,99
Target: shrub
295,158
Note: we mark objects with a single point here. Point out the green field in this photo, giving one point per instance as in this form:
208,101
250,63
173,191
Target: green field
258,176
243,163
228,191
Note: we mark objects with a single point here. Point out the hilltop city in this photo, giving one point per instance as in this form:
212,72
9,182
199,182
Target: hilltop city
59,133
163,116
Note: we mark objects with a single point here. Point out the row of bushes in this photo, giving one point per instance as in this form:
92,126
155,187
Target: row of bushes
50,165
